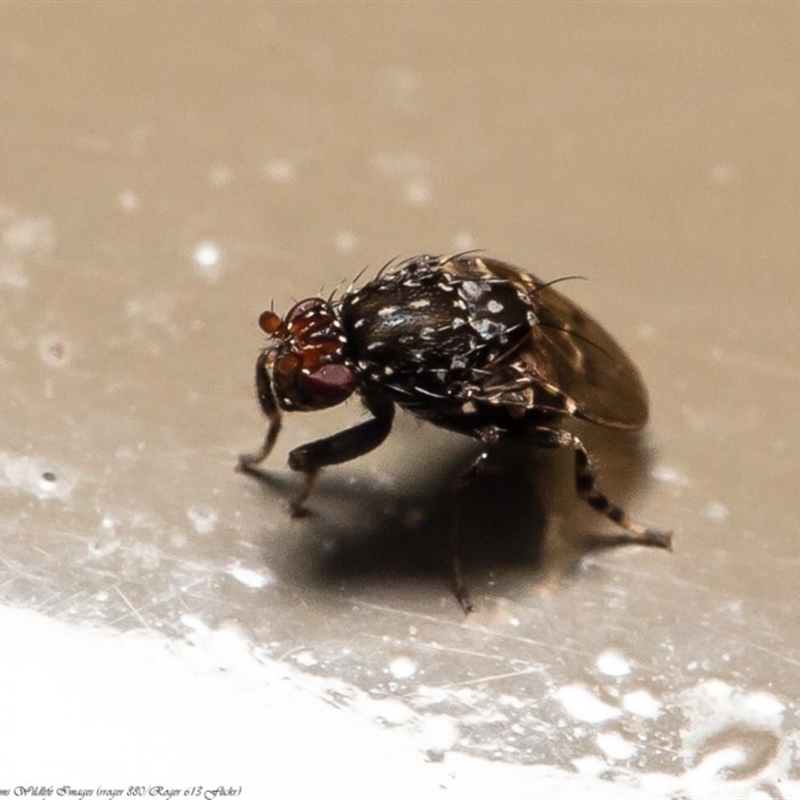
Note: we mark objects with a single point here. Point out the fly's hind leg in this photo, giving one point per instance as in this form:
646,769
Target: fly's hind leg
586,486
457,583
489,436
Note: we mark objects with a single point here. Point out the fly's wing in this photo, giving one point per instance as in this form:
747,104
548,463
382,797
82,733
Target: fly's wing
574,355
568,354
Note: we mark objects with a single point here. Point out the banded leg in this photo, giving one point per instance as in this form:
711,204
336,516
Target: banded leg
585,485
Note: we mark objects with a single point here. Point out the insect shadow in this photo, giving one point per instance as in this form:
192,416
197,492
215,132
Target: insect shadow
360,537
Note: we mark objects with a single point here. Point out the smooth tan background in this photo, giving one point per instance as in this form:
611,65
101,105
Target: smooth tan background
169,170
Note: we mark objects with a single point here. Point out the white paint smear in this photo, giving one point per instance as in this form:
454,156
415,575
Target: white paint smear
212,711
402,667
203,519
582,704
252,578
613,663
34,476
615,746
641,703
670,475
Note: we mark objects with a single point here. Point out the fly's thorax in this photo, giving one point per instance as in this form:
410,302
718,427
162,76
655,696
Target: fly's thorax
433,325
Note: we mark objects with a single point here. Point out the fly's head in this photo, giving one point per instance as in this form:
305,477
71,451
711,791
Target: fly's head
306,361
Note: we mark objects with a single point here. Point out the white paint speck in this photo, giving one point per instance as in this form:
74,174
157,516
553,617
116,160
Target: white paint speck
723,173
346,242
13,276
34,476
252,578
670,475
220,175
402,667
280,170
614,663
716,511
641,703
582,704
615,746
305,658
463,240
417,191
203,519
22,235
438,733
207,254
208,260
128,201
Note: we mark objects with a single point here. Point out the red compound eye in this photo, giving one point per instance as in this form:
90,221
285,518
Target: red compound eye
328,385
314,355
305,308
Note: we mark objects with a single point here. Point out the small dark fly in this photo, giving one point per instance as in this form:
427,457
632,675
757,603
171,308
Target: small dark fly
468,343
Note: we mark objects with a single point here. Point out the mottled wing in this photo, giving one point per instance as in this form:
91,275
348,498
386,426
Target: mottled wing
574,358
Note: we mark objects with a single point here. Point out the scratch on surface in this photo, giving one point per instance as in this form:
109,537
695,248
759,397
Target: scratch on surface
130,605
413,615
500,676
554,646
16,567
460,650
55,602
770,652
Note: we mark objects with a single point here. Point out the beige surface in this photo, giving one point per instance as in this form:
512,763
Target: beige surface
166,171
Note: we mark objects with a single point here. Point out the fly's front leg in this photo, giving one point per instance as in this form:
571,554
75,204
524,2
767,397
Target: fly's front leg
585,485
248,461
343,446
